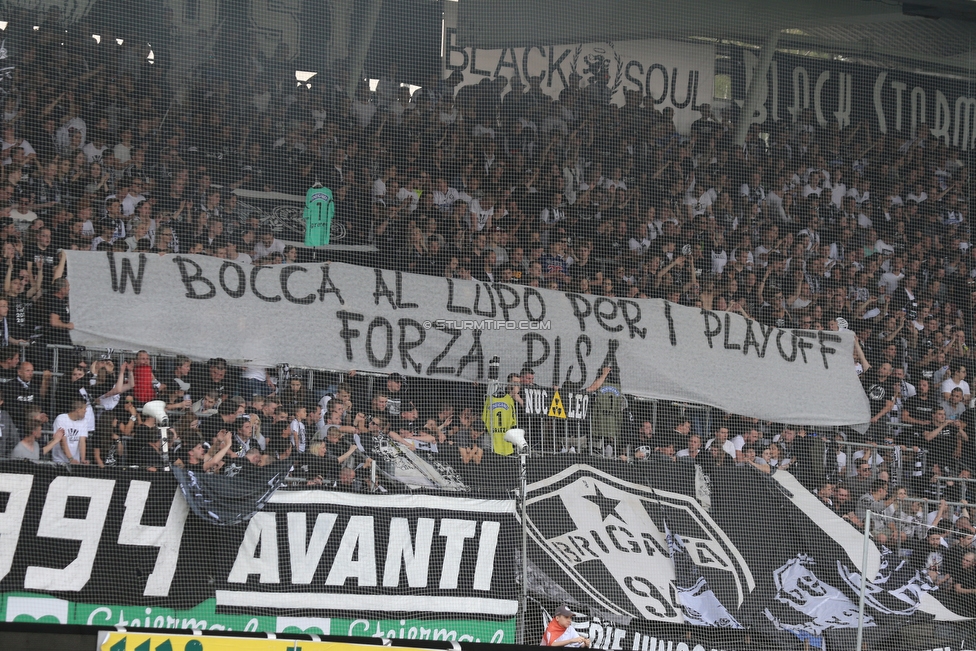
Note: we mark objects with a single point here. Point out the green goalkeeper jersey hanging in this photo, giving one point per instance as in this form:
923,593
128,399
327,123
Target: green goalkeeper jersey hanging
318,213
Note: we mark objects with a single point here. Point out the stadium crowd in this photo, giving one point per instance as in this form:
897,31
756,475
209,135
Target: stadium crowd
809,226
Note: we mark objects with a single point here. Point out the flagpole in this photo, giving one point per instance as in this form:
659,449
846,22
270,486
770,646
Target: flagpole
525,547
516,437
864,581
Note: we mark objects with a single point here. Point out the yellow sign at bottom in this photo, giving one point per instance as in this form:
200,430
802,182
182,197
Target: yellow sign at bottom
115,641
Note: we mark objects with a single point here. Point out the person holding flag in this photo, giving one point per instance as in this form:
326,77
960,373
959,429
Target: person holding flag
560,631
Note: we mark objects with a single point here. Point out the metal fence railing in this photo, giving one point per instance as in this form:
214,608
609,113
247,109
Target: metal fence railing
551,435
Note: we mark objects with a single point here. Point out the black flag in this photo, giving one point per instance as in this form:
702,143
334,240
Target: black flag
229,500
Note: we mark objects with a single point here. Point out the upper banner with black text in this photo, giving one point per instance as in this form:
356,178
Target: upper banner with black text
670,74
843,94
350,317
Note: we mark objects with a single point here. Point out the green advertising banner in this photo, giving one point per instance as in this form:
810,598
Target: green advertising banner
33,608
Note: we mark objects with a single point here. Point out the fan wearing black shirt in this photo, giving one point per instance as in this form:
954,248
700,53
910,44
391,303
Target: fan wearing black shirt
411,429
216,378
583,266
279,440
9,361
930,360
341,451
838,308
377,407
918,411
879,388
145,449
322,469
919,408
942,438
178,378
225,418
41,253
22,306
904,297
5,325
242,441
24,392
148,445
57,316
603,245
396,394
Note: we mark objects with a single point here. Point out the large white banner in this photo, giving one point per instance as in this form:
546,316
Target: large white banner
666,73
339,316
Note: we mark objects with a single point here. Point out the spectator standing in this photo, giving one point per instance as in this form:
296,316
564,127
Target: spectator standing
29,447
145,380
74,436
25,392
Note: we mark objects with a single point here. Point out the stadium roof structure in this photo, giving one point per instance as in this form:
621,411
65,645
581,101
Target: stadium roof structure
925,35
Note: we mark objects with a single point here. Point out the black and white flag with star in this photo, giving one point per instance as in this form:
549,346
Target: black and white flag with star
602,539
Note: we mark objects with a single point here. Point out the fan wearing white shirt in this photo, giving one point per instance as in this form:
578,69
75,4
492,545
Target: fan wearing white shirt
720,256
409,194
799,178
896,265
640,243
777,202
299,435
712,194
445,196
387,87
838,189
615,182
956,380
481,212
74,441
813,185
378,191
94,149
722,441
133,198
861,192
919,195
11,140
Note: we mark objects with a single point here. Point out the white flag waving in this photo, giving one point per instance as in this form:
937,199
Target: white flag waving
700,605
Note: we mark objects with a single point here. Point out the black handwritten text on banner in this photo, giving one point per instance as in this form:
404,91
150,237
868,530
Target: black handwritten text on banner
666,73
844,94
344,316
